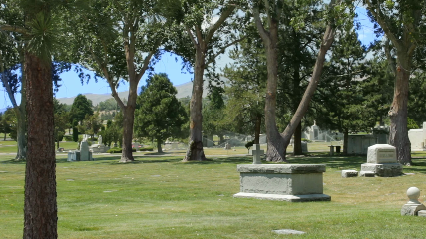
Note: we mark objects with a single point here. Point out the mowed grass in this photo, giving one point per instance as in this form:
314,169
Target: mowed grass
162,197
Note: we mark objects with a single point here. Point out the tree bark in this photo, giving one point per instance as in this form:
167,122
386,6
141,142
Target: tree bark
275,150
195,151
159,148
257,129
22,129
40,210
326,43
297,149
128,123
19,112
345,141
398,135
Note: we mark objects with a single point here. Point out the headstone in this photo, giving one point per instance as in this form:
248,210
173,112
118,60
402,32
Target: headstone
284,182
73,156
100,139
261,151
85,154
381,159
413,206
256,154
227,146
349,173
304,147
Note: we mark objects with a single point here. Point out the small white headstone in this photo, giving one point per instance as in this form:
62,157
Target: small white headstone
256,154
381,153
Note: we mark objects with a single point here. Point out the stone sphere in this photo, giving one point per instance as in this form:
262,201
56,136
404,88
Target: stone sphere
413,193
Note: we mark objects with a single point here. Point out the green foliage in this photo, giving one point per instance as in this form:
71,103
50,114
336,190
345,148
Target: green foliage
249,144
91,124
411,124
113,131
117,150
306,140
114,150
107,105
146,148
75,134
341,92
159,115
8,123
81,107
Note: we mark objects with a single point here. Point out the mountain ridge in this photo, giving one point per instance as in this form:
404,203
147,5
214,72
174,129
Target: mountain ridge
184,90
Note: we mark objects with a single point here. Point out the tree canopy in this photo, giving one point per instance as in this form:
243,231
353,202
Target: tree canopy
159,115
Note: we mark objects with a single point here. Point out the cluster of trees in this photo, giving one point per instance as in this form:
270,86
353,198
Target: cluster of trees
284,42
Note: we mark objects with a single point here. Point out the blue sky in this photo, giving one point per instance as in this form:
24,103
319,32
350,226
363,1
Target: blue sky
71,85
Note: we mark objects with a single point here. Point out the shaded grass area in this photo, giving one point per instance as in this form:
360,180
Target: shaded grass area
162,197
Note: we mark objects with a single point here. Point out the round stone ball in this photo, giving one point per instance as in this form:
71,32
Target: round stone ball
413,193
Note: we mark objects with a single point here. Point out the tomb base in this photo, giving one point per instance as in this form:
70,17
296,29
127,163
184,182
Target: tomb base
288,198
383,170
284,182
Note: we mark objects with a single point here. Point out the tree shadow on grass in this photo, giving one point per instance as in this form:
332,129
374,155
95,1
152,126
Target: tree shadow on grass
13,161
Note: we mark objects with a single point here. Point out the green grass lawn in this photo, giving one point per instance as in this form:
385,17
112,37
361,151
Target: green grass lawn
161,197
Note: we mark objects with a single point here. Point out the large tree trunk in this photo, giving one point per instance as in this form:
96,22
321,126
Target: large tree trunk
398,135
195,151
40,211
275,150
128,123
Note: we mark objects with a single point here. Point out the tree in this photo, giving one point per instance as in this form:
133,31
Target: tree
81,107
277,143
209,40
8,123
61,120
121,41
403,23
160,115
245,93
341,90
214,113
11,58
40,207
91,124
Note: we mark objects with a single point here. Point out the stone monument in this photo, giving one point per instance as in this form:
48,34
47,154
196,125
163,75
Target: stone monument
99,147
256,152
413,207
85,154
283,182
381,161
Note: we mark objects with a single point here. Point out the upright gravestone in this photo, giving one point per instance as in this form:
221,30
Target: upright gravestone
85,154
381,160
256,152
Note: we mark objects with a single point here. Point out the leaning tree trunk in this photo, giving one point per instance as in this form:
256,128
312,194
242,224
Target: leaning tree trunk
195,151
40,210
398,135
326,43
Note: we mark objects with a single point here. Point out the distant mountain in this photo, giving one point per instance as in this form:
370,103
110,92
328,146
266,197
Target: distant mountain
184,90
